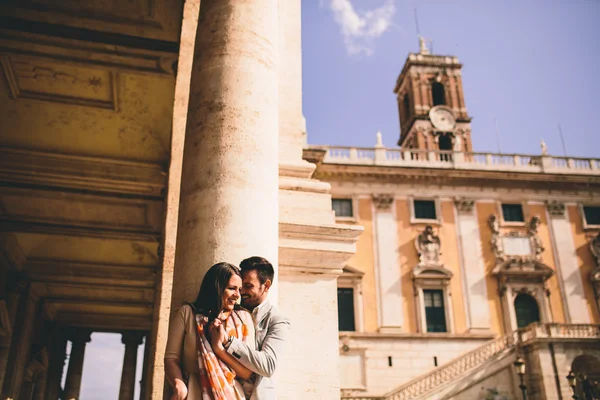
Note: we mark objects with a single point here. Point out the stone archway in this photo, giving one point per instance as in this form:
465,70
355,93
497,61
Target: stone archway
586,369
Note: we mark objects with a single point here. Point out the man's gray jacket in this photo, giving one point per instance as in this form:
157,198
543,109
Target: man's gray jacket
272,331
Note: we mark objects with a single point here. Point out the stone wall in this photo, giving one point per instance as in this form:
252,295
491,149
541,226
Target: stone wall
411,356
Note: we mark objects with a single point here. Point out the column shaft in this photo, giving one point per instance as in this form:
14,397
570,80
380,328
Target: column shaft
75,369
20,351
131,342
56,366
13,298
229,192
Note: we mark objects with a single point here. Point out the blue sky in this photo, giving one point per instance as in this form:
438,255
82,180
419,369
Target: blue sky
530,64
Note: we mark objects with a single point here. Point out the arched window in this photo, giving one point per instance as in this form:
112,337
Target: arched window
406,106
445,144
526,309
438,93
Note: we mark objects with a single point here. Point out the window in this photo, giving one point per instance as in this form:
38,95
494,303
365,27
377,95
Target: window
435,315
342,207
425,209
526,310
512,213
405,108
591,215
346,309
445,144
438,94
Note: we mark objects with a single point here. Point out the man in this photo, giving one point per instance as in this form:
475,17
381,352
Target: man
272,328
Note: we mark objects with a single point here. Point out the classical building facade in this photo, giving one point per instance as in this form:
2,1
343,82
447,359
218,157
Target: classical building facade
468,261
141,142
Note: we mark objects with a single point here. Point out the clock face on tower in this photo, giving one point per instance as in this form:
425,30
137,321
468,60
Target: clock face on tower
442,118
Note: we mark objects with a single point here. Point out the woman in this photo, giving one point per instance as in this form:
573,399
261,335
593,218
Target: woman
191,366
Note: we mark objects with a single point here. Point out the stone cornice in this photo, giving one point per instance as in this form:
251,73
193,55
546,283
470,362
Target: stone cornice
90,174
456,177
45,211
416,336
88,52
316,249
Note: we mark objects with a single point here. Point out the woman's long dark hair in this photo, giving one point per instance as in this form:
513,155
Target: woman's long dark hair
210,297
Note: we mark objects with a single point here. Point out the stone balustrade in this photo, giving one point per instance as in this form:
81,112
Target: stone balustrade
449,372
381,156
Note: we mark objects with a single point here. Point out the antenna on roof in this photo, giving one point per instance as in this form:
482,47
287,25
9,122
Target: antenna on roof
422,41
562,139
417,23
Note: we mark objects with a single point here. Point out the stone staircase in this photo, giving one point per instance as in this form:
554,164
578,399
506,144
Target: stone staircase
436,383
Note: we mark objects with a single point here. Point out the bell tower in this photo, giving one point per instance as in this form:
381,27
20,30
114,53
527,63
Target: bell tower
431,103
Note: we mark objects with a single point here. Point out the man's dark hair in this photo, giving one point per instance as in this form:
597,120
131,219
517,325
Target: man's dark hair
264,269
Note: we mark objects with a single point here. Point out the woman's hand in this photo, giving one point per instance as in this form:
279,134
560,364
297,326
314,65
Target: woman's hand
180,391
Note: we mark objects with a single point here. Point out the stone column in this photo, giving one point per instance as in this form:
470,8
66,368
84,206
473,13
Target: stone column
56,364
229,192
143,381
78,339
131,340
473,267
291,121
20,349
391,318
567,267
13,298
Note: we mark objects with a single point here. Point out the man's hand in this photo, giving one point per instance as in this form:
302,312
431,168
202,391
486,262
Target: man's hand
180,391
218,336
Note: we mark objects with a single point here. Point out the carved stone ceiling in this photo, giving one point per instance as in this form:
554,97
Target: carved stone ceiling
86,101
57,106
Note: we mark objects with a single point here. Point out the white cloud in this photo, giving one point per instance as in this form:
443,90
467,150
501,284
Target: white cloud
360,28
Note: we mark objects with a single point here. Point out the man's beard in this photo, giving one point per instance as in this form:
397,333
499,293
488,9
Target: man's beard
249,303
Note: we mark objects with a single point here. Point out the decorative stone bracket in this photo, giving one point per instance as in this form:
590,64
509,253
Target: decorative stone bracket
383,201
516,247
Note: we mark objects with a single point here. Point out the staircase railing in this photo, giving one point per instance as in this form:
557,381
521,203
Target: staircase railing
477,357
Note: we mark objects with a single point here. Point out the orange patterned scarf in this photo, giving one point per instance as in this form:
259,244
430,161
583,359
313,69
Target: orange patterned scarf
217,379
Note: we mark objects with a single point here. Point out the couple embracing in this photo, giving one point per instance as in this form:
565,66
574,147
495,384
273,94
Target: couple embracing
219,350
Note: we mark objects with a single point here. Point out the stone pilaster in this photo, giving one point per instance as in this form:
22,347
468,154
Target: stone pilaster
389,288
473,267
229,193
56,364
20,348
79,339
14,295
569,276
131,340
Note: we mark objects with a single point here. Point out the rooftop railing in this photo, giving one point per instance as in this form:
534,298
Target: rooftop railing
381,156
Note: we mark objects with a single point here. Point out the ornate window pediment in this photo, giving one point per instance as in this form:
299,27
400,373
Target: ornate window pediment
522,271
439,274
519,270
516,246
432,278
